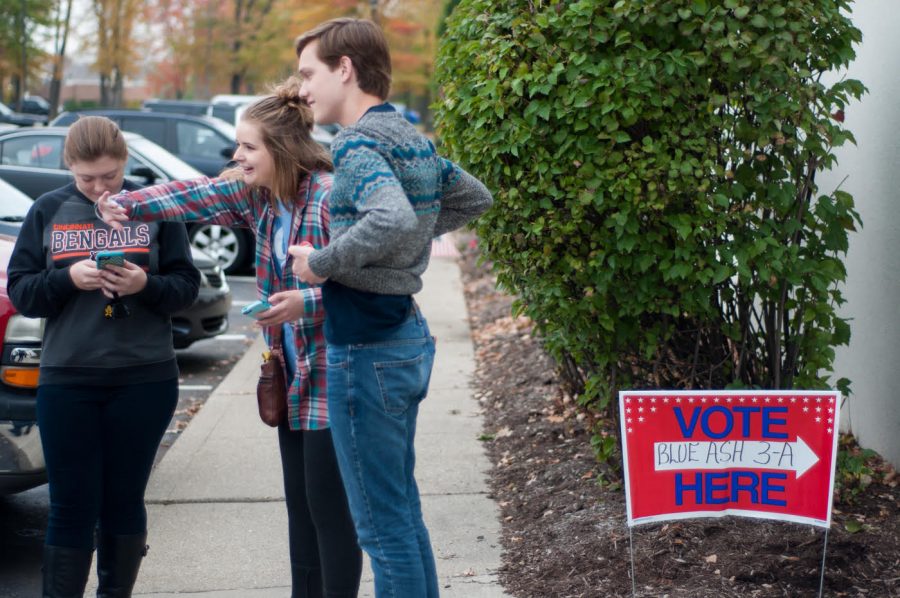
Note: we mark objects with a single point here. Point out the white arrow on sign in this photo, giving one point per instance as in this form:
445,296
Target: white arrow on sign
734,454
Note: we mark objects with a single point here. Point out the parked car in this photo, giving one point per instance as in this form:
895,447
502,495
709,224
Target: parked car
21,456
8,115
31,160
205,143
194,107
35,105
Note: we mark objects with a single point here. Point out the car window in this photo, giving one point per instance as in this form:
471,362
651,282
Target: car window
40,103
134,162
174,167
200,141
224,111
153,129
34,150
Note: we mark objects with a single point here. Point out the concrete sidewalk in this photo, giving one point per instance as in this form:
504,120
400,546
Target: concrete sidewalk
217,519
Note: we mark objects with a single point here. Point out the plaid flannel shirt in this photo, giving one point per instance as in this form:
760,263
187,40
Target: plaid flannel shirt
232,203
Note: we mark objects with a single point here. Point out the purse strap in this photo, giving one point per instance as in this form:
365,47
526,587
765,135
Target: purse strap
275,337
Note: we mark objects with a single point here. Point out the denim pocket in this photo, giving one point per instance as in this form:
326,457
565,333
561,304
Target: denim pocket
403,383
337,357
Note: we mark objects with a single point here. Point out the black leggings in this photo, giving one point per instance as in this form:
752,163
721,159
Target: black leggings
324,550
99,443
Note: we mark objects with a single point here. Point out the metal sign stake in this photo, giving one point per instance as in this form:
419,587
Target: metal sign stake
631,552
824,553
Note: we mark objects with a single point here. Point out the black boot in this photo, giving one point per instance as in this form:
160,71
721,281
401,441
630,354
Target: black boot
118,561
66,571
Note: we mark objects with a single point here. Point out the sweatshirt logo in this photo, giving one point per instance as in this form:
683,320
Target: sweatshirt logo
72,240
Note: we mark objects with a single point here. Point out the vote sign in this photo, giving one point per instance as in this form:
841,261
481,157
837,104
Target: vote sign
765,454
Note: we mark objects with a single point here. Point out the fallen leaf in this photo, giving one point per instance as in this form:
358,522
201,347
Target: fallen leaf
853,526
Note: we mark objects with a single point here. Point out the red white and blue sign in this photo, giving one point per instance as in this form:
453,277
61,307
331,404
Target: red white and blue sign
764,454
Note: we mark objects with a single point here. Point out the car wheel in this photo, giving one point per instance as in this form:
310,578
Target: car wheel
230,247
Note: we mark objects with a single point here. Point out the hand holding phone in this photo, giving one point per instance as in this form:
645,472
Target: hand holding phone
255,308
110,258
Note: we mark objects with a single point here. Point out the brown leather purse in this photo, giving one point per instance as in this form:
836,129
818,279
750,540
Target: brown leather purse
271,390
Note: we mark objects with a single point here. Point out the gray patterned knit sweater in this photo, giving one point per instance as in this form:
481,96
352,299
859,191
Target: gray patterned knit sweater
391,195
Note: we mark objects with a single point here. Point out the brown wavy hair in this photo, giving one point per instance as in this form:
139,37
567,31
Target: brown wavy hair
285,124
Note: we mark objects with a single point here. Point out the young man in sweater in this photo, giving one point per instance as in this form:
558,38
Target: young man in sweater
392,194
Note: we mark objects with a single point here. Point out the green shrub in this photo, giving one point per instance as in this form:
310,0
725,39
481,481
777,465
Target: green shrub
653,163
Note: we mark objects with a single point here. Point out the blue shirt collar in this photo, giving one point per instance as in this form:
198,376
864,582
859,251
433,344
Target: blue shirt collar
386,107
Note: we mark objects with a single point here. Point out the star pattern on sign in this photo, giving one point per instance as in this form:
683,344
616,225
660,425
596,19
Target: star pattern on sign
822,412
634,410
815,407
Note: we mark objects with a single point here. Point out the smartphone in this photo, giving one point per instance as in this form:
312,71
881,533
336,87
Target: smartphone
255,308
110,258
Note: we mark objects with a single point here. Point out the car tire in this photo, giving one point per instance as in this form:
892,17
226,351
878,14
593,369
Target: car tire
231,247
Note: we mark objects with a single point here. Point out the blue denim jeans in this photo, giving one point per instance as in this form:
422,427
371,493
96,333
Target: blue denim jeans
374,391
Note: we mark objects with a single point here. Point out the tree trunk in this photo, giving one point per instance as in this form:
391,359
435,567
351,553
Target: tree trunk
55,93
23,77
62,36
17,89
237,77
118,88
104,90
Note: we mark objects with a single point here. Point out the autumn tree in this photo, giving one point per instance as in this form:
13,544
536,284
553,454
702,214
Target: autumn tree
20,53
240,46
62,18
115,46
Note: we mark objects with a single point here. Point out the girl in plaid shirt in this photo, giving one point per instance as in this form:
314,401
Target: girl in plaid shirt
280,190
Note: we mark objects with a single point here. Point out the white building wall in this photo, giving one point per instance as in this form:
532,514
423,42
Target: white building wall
872,290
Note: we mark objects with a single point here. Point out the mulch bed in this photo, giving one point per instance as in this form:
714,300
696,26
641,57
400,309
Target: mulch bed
564,535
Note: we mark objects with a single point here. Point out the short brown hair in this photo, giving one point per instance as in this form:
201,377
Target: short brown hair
285,125
93,137
360,40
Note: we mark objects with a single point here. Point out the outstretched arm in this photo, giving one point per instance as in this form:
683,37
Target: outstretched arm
219,201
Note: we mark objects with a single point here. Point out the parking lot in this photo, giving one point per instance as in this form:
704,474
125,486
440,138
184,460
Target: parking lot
23,517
